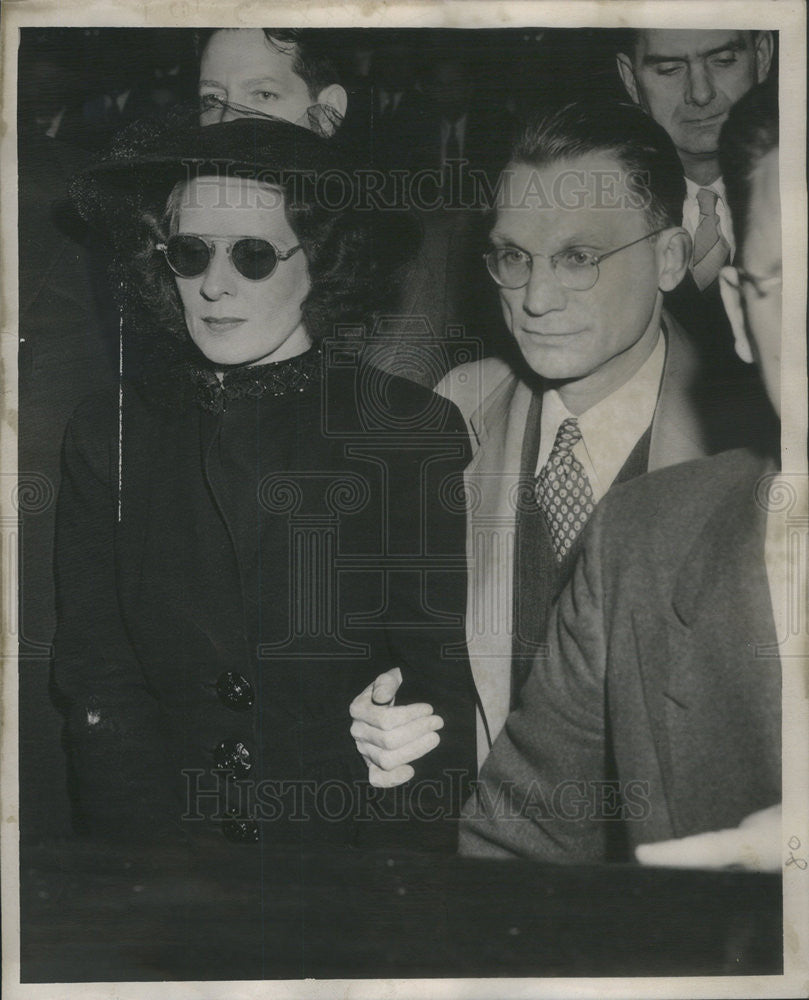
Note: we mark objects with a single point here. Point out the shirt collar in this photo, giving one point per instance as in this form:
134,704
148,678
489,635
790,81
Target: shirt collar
691,188
611,428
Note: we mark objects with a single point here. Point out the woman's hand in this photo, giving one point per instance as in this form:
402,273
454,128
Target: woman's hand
389,737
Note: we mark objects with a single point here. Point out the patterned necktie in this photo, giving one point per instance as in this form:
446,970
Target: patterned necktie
563,490
711,249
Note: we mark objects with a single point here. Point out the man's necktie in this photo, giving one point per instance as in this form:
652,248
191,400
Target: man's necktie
563,490
711,249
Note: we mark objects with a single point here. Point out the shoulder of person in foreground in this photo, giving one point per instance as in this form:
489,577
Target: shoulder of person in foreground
674,502
556,740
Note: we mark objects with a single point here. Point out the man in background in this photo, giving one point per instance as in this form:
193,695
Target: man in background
688,81
288,73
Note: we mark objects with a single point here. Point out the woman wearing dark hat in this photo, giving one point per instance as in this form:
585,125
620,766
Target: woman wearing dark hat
258,524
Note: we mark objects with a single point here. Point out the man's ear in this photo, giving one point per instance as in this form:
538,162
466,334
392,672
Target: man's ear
627,75
732,300
763,46
673,257
335,96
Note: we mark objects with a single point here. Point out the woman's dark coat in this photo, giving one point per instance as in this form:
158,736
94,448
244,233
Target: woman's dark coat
262,550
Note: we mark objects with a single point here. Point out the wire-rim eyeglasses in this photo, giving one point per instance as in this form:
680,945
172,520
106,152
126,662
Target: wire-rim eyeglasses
575,268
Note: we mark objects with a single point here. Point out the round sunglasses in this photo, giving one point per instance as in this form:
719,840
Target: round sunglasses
189,254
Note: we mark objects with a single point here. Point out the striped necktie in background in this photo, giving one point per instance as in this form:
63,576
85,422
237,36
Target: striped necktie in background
711,249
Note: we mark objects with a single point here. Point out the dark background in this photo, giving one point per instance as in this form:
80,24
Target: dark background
514,67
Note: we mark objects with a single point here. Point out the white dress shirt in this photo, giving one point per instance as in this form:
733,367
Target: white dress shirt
611,428
691,210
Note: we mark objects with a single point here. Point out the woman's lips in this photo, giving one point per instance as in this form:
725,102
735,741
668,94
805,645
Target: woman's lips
710,120
548,334
221,324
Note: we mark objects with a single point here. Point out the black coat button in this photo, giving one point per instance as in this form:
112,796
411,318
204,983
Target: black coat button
239,829
232,755
235,691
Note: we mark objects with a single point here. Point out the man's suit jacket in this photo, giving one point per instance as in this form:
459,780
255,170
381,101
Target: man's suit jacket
662,672
495,402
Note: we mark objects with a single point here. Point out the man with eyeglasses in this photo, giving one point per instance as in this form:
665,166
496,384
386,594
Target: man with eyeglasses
655,712
605,387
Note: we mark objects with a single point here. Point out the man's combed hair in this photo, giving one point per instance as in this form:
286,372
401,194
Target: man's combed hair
620,130
625,40
750,132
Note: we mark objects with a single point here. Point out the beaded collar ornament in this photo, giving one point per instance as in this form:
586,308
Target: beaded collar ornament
213,392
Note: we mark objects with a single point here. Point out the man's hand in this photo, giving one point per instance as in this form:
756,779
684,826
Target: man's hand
390,738
755,844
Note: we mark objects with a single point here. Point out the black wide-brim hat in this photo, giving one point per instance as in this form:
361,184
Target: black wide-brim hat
149,157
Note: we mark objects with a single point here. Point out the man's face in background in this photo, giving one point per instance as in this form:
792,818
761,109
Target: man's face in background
689,80
244,68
